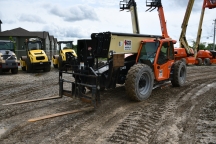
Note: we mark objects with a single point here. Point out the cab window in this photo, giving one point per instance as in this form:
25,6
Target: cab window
163,54
148,51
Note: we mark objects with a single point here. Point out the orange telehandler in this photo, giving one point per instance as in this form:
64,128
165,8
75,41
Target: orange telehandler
208,57
185,52
150,64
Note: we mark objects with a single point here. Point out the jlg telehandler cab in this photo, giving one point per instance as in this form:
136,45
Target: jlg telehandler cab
36,58
65,51
149,63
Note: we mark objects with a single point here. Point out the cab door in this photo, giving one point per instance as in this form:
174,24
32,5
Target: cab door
164,60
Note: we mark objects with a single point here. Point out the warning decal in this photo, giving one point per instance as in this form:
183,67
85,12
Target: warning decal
127,45
160,73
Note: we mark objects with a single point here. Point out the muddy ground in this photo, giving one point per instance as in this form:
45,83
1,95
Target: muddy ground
171,115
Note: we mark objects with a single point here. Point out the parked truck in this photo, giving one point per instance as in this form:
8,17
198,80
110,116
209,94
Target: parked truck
8,59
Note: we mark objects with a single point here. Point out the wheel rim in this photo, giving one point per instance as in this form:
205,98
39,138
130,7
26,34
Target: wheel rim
205,62
182,74
144,83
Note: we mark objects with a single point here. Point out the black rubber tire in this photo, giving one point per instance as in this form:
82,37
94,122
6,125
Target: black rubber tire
55,65
184,60
207,62
14,70
133,83
6,70
59,62
24,68
179,75
28,66
1,71
47,69
199,61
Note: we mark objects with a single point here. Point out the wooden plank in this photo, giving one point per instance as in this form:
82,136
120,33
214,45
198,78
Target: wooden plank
60,114
34,100
118,60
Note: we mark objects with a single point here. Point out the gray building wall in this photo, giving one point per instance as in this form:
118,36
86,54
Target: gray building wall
47,46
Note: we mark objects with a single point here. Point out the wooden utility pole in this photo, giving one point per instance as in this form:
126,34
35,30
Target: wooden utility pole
214,34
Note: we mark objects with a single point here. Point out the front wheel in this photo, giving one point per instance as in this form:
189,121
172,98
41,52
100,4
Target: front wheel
179,74
55,65
199,61
14,71
207,62
28,66
47,69
139,82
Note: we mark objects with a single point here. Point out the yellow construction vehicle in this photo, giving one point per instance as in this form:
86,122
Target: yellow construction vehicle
36,58
65,52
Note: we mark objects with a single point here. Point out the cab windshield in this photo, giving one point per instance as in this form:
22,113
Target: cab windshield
65,46
148,51
34,45
6,46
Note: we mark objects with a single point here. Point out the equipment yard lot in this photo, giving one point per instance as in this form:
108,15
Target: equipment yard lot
173,114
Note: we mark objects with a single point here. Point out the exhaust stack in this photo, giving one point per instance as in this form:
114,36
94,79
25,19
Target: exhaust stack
0,25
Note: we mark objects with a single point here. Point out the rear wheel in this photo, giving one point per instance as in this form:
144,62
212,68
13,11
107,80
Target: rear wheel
14,71
55,65
28,66
24,68
199,61
179,75
207,62
139,82
60,62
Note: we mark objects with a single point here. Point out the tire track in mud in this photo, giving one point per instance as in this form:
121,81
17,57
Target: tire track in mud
38,83
142,125
119,120
130,125
206,123
180,116
30,90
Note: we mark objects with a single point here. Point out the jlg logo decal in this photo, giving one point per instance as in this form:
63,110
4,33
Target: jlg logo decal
127,45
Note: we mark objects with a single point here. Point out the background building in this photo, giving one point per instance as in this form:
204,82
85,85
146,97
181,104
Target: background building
19,35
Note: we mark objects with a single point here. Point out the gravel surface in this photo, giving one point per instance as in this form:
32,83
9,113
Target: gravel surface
170,115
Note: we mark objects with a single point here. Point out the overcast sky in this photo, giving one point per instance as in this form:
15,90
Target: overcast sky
74,19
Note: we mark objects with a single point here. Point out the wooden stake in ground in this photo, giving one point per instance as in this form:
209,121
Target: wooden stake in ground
60,114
